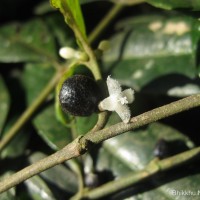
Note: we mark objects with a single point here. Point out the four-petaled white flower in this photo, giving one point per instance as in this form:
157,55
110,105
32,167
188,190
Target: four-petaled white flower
118,100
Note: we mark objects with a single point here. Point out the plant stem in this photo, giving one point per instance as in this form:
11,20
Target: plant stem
105,22
102,119
29,111
154,167
145,118
78,147
115,10
68,152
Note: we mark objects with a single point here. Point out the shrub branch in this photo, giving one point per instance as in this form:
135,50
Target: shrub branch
81,145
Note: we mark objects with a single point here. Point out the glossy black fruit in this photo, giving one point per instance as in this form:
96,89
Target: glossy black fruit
79,95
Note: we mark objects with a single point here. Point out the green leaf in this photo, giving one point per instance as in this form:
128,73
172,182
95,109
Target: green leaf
31,41
4,103
43,8
142,143
87,1
56,183
172,4
53,132
123,2
38,189
74,7
9,194
18,144
58,28
84,124
127,2
133,150
57,175
36,76
152,49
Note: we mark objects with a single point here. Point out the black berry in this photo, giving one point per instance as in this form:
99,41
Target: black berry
80,95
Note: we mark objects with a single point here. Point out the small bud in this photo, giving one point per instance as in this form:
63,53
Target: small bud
68,53
104,45
81,56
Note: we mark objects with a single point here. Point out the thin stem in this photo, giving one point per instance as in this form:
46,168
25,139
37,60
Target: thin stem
29,111
80,178
115,10
102,119
105,22
154,167
81,145
77,164
92,63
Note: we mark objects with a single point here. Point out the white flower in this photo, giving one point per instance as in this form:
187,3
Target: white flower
118,100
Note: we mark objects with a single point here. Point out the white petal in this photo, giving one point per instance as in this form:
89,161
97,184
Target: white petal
108,103
113,86
124,112
129,94
67,52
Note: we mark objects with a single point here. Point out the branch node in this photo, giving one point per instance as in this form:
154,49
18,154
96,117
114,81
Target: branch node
84,145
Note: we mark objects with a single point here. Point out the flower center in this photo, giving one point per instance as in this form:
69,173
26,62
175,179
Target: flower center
123,100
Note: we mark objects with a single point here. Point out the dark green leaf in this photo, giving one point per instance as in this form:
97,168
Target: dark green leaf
55,183
139,145
59,176
183,188
84,124
174,188
4,103
38,189
123,2
172,4
51,130
36,77
152,49
58,28
43,8
127,2
88,1
28,42
9,194
134,150
18,144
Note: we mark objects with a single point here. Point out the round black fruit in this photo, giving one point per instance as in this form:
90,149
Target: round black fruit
80,95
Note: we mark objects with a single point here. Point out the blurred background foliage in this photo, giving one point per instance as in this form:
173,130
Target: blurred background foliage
154,51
